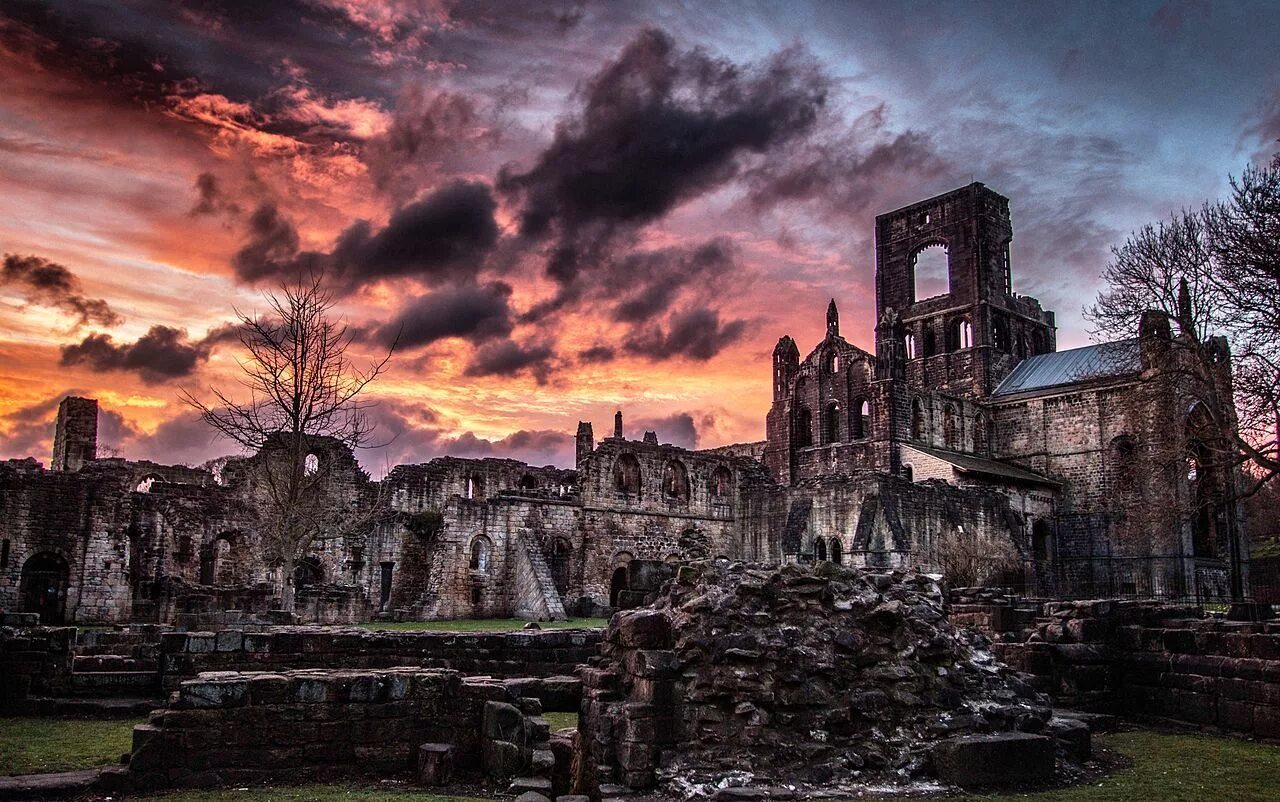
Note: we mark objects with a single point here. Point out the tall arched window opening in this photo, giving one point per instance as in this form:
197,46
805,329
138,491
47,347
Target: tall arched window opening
930,271
831,424
804,428
860,422
675,481
480,554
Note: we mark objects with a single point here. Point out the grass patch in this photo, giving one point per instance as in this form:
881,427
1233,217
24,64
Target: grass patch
559,721
43,745
1168,768
482,624
1175,768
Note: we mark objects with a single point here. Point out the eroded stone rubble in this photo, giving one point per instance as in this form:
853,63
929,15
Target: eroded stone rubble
807,677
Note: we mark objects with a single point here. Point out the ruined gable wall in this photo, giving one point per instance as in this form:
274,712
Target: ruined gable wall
878,519
814,386
1068,437
618,526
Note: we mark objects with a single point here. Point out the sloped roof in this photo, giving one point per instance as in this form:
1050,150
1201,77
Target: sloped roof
1101,361
968,463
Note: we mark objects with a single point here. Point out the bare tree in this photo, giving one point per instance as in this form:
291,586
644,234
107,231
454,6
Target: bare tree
303,391
967,559
1216,272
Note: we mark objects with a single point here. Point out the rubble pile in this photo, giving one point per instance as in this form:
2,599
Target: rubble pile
807,677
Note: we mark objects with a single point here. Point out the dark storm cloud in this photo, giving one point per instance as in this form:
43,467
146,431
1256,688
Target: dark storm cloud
657,127
844,174
155,53
162,354
475,313
441,236
596,354
272,247
444,236
212,199
51,284
677,429
647,282
431,132
695,333
509,358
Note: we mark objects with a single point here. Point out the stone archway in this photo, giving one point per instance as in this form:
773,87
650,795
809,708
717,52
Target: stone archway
617,584
44,587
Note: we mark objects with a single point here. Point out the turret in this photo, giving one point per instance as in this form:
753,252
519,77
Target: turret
1155,337
75,436
833,319
617,425
786,361
585,442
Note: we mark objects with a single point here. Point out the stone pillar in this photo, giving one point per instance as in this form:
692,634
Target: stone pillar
75,437
585,443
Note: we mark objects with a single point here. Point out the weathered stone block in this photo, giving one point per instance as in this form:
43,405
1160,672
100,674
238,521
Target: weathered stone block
1073,735
641,629
201,693
435,764
1004,759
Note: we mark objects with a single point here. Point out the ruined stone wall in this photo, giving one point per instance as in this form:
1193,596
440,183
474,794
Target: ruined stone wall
505,654
793,676
34,661
1148,660
974,225
1072,436
255,727
878,520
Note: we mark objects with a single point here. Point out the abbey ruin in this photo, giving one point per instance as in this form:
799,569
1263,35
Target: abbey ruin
965,422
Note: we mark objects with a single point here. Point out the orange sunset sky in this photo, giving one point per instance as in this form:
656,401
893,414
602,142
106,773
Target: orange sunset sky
564,208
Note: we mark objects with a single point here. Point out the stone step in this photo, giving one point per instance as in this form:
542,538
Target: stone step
98,707
113,662
48,786
114,683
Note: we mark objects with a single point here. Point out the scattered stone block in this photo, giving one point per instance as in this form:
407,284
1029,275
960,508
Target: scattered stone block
538,785
435,764
1000,760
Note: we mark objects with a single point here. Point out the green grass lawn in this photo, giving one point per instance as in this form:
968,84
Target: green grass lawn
42,745
559,721
1166,767
483,624
1176,768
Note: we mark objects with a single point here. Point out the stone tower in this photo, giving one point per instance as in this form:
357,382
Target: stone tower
75,437
967,339
585,442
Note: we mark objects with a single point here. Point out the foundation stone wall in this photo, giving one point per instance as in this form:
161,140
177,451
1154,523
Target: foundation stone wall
234,728
507,654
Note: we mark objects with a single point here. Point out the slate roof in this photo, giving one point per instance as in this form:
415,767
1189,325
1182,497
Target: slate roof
1101,361
968,463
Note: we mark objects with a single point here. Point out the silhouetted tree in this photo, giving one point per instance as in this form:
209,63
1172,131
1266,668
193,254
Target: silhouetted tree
1215,271
302,387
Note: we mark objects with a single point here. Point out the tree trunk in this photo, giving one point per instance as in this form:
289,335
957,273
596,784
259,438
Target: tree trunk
286,584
